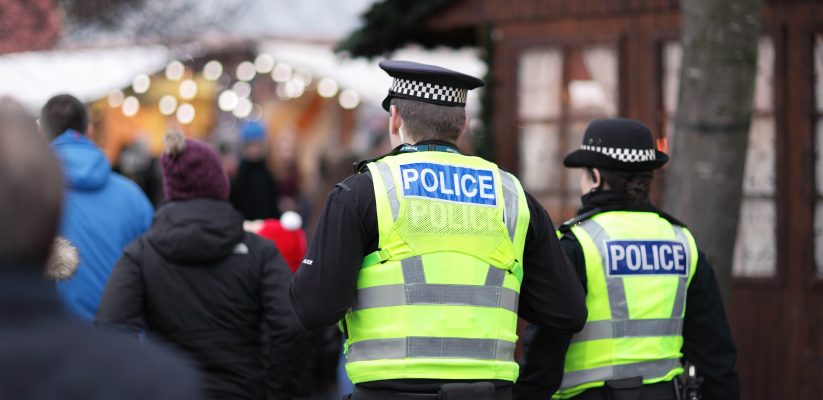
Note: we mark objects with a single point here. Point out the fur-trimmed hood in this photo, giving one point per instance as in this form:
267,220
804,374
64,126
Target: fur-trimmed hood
63,261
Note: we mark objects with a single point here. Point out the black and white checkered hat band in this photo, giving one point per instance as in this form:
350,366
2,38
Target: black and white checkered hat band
429,91
624,155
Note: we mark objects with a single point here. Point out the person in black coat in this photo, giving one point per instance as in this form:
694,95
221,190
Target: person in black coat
199,282
45,353
255,191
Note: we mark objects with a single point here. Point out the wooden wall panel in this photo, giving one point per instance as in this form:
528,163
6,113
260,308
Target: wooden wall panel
777,322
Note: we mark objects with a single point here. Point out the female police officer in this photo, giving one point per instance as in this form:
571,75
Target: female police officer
429,256
651,295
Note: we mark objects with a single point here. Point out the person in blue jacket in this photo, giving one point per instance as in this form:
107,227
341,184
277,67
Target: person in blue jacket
103,211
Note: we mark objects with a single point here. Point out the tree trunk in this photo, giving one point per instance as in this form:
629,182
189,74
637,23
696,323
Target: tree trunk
705,179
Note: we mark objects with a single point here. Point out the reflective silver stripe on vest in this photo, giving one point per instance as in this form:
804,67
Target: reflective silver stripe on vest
680,300
511,198
608,329
413,270
391,189
647,370
431,294
495,276
415,291
617,292
431,347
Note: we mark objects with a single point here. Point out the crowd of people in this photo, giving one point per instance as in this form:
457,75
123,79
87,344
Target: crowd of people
421,263
205,276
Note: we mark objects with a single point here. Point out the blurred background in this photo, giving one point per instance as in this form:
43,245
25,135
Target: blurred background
307,72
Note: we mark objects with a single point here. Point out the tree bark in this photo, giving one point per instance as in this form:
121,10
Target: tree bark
705,179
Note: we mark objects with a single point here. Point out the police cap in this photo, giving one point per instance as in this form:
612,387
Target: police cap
427,83
618,144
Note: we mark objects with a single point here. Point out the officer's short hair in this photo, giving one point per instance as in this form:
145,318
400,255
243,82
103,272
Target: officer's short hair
31,188
61,113
426,121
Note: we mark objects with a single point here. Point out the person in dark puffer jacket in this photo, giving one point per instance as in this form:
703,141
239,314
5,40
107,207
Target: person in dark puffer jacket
197,281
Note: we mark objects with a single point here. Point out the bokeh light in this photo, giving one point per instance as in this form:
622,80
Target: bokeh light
282,73
245,71
349,99
327,87
227,101
243,89
175,71
131,106
188,89
244,108
264,63
141,83
185,113
167,105
116,98
212,70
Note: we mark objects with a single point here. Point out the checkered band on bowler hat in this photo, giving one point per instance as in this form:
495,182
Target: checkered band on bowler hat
428,83
430,91
623,155
618,144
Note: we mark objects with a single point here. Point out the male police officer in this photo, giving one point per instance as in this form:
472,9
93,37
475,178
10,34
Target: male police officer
426,254
651,295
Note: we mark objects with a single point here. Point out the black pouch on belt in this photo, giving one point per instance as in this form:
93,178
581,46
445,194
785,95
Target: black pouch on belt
625,389
467,391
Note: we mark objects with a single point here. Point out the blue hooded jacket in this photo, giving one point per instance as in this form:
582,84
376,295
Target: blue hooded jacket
102,213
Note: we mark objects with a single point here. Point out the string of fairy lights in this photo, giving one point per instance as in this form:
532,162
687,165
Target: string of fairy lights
234,94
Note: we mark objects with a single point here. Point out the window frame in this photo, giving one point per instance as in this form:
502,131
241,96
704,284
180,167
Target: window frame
564,121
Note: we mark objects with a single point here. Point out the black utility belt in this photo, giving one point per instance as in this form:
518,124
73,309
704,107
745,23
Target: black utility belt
451,391
630,389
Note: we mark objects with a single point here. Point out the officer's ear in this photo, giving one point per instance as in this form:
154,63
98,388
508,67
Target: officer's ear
594,174
394,120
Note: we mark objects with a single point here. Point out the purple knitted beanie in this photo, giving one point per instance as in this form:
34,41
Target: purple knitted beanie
192,168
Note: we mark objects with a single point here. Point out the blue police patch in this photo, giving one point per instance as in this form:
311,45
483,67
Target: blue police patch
449,183
646,257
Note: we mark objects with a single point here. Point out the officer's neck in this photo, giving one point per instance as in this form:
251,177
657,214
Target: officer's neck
436,142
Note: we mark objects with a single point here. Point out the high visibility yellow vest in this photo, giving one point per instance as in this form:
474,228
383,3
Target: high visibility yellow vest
438,300
638,268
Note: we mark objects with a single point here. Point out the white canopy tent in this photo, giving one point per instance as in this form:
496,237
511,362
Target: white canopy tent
308,28
33,77
365,76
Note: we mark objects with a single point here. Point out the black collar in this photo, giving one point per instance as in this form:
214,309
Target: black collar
425,145
600,201
610,200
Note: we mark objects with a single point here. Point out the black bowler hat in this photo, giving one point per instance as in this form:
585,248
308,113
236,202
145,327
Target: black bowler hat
428,83
617,144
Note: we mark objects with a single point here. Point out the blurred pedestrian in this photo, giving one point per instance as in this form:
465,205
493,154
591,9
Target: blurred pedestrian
652,295
428,256
138,164
254,191
286,233
319,350
45,353
198,281
103,211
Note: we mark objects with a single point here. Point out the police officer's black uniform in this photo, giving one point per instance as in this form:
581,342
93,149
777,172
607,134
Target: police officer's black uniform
324,287
708,342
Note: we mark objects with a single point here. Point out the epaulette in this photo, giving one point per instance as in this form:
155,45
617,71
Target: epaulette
361,166
567,226
667,217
